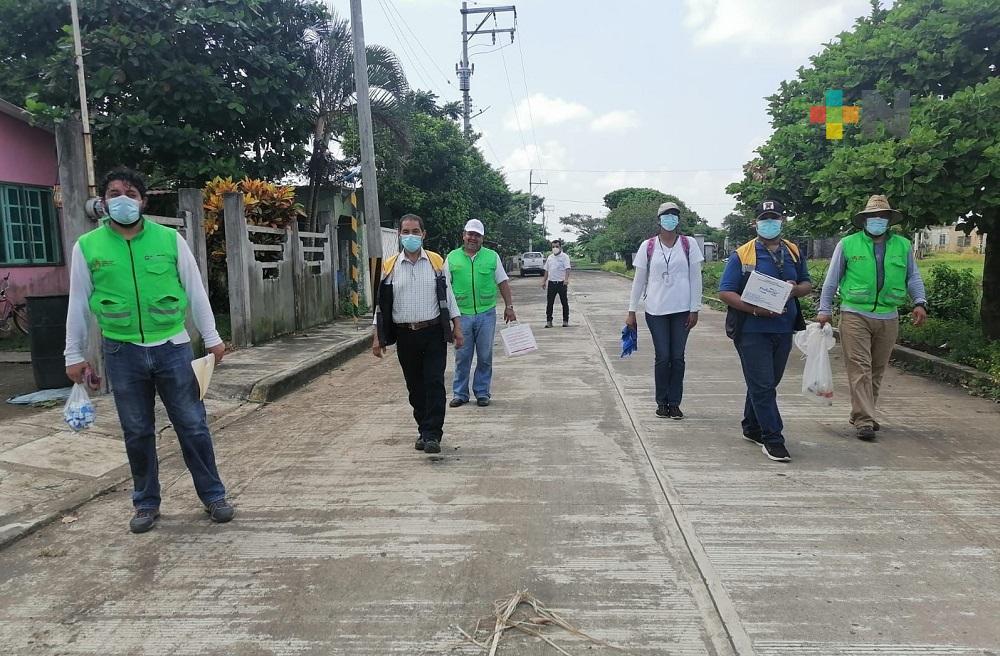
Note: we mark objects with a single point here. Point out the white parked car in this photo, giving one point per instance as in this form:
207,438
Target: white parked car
532,263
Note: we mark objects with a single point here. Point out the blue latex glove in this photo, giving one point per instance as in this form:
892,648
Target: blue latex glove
630,341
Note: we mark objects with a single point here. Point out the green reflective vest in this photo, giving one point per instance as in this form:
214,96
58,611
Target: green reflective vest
138,296
858,287
473,280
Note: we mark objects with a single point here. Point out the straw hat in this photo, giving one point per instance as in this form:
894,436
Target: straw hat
877,205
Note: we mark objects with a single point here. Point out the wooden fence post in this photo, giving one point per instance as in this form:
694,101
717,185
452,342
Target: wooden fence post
238,260
328,224
191,208
298,274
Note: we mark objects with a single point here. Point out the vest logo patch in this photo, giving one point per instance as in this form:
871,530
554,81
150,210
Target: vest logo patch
97,265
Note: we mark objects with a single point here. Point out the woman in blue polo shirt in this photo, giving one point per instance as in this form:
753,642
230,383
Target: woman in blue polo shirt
763,338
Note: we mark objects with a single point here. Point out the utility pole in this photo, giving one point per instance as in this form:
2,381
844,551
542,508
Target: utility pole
373,232
545,231
531,185
81,81
463,69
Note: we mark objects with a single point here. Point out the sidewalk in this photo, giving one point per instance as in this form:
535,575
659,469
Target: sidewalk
46,470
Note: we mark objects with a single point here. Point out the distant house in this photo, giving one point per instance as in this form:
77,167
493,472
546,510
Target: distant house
30,240
948,239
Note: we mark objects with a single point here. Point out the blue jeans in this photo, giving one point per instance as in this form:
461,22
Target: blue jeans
137,374
764,356
479,331
670,334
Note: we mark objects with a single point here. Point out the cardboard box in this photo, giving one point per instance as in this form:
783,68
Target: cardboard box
767,292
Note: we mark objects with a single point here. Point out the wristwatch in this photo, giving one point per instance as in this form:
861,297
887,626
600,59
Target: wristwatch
922,304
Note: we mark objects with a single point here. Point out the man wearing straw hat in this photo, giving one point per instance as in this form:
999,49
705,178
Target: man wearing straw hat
874,270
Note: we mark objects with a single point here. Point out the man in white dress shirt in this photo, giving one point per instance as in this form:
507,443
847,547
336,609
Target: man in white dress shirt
556,282
417,311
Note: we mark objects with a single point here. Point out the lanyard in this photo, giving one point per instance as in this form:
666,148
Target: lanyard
779,259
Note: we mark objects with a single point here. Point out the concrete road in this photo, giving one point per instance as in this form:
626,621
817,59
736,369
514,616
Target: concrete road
659,536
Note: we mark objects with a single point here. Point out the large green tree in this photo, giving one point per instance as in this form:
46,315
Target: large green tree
445,180
632,217
181,90
947,168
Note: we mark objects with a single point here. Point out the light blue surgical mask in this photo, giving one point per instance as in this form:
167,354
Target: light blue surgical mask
876,226
669,221
411,243
124,210
769,228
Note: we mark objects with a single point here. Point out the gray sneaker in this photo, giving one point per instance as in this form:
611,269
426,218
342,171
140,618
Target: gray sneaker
143,520
220,511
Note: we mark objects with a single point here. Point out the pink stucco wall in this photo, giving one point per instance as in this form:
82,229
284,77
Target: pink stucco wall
28,156
36,281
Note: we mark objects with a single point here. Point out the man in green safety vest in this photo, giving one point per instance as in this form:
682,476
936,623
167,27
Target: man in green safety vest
137,279
475,273
874,271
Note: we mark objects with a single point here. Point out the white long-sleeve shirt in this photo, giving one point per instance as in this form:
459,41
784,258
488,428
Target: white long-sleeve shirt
673,282
81,286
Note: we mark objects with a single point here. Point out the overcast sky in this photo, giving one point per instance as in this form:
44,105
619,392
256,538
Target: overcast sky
597,95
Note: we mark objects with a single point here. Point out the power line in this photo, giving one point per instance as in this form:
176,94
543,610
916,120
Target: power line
517,117
629,170
420,43
404,47
527,96
598,202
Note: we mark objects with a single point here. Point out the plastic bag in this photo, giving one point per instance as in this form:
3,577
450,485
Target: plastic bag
817,379
630,341
79,411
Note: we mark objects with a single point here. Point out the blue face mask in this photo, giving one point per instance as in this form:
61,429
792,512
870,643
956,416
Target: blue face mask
124,210
669,221
876,226
411,243
768,228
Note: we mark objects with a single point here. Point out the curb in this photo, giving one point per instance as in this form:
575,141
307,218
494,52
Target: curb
277,385
50,512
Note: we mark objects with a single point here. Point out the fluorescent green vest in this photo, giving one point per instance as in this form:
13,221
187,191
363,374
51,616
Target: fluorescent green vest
138,296
473,281
858,286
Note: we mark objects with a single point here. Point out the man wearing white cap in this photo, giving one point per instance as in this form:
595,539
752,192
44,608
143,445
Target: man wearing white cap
475,274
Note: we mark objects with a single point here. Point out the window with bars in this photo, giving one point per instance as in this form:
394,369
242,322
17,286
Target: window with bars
29,233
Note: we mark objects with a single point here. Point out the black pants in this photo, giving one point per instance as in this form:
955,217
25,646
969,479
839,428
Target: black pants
423,354
556,289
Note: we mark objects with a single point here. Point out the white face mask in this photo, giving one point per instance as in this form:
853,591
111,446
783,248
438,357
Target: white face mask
556,250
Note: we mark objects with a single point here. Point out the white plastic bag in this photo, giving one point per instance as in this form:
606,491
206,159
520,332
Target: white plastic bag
817,379
518,339
79,410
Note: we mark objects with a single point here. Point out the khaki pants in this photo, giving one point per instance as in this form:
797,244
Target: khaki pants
867,346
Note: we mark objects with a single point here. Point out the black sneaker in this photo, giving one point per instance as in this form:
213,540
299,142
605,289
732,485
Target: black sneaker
457,402
483,402
675,412
866,433
663,411
548,324
756,439
875,426
565,324
432,446
220,511
143,520
419,446
776,452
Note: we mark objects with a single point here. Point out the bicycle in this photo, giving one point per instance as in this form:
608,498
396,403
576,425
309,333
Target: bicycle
12,315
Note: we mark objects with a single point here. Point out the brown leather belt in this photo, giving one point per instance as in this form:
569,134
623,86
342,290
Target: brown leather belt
420,325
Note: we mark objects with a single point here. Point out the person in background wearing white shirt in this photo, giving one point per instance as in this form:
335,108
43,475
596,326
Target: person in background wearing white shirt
411,315
556,281
668,272
137,279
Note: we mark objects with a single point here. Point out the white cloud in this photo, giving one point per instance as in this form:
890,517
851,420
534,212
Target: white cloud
773,22
619,120
544,111
549,155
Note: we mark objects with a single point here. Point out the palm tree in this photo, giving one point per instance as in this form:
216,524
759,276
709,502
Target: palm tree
333,95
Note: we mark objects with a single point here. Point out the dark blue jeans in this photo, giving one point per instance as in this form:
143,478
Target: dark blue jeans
670,335
764,356
137,374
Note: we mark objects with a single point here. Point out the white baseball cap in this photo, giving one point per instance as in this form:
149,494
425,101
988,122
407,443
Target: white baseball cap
475,225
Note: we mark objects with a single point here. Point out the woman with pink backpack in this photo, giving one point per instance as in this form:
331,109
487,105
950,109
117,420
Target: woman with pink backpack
668,279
